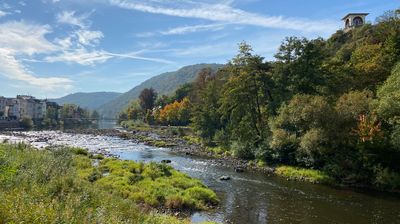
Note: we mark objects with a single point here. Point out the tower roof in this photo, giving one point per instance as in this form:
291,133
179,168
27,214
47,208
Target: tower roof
355,14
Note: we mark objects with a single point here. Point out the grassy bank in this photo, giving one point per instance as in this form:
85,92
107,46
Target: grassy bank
59,186
301,174
170,133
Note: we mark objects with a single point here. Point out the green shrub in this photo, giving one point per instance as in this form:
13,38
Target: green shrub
387,179
79,151
308,175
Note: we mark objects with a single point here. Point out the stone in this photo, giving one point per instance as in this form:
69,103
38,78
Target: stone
239,169
225,178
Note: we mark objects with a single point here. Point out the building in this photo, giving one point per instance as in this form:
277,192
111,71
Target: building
353,20
3,105
9,109
26,106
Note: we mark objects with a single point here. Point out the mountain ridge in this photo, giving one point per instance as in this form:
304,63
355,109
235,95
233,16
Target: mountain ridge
88,100
164,83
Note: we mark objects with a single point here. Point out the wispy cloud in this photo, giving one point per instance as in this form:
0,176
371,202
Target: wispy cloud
13,69
184,30
193,29
223,12
19,39
25,38
3,13
70,17
80,46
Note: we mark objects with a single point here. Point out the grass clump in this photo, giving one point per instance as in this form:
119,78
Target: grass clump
153,184
61,186
301,174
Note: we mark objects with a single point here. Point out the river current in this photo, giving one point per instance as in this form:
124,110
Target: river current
248,197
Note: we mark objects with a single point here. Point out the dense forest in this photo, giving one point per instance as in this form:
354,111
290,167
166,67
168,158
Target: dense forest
331,105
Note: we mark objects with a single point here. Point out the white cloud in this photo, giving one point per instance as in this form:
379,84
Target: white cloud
18,39
193,29
11,68
89,37
70,17
184,30
25,38
2,13
223,12
80,56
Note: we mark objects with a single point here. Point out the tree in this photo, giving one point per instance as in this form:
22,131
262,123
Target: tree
298,69
388,105
205,115
302,131
176,113
95,115
244,97
147,99
26,122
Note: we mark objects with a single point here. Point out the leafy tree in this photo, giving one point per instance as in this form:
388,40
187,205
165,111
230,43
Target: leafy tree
205,114
299,66
147,99
244,97
302,130
95,115
176,113
182,92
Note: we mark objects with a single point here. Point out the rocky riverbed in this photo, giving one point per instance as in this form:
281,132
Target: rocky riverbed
246,197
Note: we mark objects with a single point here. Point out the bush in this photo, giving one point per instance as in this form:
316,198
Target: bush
26,123
387,179
308,175
79,151
241,150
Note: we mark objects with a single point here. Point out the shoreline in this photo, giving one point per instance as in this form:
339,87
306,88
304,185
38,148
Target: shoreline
179,145
155,136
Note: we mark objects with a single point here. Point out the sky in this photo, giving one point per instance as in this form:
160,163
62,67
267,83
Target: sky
50,48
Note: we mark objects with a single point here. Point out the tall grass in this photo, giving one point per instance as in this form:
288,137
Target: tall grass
308,175
53,186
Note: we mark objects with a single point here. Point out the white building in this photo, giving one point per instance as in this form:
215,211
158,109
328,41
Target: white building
353,20
9,108
31,107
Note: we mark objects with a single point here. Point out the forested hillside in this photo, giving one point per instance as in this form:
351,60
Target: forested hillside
164,83
87,100
331,105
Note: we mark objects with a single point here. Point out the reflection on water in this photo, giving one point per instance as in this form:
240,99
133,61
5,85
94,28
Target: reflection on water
252,197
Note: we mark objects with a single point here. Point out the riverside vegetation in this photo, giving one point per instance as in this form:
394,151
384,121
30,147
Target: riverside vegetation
331,106
69,185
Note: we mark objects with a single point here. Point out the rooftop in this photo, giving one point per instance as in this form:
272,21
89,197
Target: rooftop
355,14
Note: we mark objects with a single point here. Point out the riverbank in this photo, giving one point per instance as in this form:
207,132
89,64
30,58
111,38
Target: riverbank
64,184
182,140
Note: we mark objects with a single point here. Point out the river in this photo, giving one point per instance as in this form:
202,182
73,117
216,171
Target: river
249,197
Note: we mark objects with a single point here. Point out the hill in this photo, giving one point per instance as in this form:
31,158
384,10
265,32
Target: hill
164,83
90,101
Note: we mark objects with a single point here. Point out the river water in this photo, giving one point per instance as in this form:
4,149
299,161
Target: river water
249,197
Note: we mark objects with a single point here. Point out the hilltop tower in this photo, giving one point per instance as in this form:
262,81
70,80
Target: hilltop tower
353,20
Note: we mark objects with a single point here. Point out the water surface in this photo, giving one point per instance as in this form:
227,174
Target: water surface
249,197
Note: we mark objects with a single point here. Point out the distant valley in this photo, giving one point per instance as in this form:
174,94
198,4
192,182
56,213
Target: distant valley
109,104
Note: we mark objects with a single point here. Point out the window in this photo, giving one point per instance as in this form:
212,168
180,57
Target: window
358,21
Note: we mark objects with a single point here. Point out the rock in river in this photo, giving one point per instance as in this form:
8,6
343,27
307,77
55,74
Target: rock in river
239,169
225,178
166,161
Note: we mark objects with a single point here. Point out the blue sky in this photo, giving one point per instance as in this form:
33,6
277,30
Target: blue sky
49,48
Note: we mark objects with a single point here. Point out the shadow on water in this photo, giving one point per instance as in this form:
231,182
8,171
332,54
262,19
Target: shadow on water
252,197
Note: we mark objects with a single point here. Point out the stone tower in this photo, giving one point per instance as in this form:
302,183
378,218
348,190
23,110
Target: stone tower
353,20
